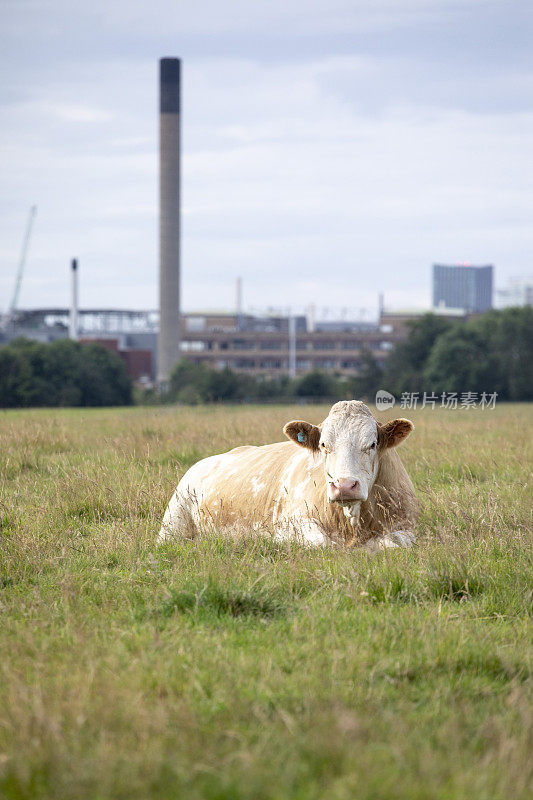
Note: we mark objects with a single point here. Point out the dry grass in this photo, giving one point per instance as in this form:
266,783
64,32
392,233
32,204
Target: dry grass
244,669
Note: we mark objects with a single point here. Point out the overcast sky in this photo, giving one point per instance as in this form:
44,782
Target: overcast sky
332,149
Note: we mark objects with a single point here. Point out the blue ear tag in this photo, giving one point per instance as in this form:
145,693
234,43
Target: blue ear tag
302,438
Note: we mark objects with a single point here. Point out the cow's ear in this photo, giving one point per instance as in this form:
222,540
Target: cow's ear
303,433
392,433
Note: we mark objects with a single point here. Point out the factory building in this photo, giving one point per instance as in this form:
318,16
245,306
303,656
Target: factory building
260,345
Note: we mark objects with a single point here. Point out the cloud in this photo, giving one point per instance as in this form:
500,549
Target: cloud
77,113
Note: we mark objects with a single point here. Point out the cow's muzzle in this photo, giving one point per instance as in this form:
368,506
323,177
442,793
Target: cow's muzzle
345,490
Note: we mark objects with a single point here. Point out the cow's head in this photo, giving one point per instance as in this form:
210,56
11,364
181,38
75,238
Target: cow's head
350,442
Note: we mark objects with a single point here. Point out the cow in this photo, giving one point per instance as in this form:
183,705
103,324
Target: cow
341,482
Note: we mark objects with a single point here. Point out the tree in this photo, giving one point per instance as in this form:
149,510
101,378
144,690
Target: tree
457,363
33,386
509,338
63,360
493,353
14,373
314,384
103,377
223,385
404,371
370,377
61,373
189,382
198,383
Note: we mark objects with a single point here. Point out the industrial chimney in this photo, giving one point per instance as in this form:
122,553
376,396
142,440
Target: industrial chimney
73,321
168,344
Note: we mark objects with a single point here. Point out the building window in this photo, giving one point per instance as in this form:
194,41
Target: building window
195,324
193,346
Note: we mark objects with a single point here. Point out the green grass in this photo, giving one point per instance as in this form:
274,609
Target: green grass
241,668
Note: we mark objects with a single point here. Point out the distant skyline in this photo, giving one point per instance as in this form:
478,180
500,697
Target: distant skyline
332,149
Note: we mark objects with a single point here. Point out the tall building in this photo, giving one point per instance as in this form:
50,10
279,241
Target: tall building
463,286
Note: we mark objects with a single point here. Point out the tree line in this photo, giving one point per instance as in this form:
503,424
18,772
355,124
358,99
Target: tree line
62,373
199,383
490,353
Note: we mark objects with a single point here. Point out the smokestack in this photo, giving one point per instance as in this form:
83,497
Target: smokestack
238,302
168,343
238,296
73,322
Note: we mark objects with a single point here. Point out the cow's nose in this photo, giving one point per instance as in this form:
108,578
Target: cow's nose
345,489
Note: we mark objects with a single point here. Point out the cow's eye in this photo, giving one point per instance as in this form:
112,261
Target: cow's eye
373,446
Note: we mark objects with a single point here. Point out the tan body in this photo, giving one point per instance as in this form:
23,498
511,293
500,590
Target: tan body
281,488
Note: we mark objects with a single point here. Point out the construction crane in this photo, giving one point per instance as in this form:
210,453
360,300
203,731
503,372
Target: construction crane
23,253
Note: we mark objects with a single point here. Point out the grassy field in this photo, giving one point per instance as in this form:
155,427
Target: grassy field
247,669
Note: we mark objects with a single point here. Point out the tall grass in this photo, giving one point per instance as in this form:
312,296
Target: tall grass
243,668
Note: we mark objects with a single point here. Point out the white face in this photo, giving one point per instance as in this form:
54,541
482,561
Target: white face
350,442
349,446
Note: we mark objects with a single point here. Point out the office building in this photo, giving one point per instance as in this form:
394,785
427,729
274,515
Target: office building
463,286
